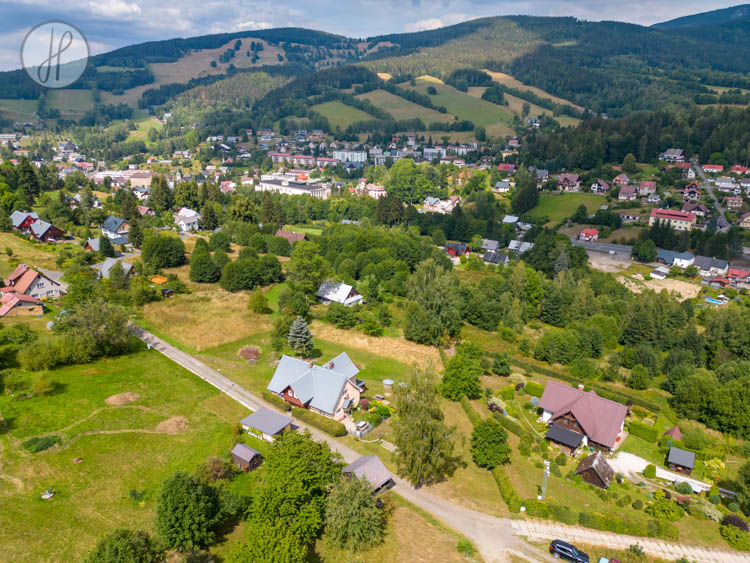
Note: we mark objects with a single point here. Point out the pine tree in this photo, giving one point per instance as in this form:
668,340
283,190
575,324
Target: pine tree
208,218
28,183
105,247
135,236
561,264
202,268
300,338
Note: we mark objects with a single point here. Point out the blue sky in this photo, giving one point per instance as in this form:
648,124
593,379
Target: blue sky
113,23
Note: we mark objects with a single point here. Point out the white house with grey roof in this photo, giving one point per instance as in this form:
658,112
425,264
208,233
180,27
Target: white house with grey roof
266,424
339,292
331,389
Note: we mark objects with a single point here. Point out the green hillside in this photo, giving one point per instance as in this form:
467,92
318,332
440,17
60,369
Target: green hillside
400,108
715,16
340,115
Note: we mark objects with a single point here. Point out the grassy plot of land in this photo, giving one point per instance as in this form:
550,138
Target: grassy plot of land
341,115
110,447
143,123
27,252
557,207
508,80
401,108
70,102
494,118
515,105
18,110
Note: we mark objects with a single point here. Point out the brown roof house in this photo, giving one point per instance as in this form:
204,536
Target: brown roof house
371,468
245,457
580,418
291,236
674,432
595,470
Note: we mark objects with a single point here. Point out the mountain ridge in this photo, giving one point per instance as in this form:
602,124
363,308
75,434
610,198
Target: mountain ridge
723,15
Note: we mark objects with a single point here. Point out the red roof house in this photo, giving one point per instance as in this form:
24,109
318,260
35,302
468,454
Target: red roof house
597,421
589,234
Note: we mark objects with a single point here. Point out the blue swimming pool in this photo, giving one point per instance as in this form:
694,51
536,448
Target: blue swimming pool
714,301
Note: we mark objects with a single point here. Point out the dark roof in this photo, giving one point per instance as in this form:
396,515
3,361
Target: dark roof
681,457
564,436
494,257
598,465
706,263
112,223
458,247
371,468
266,421
244,452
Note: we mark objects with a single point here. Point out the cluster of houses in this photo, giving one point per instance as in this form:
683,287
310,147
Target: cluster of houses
28,223
27,288
714,272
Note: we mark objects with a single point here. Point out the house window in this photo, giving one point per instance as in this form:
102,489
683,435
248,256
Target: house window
40,284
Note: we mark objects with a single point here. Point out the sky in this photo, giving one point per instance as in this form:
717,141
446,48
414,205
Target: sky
108,24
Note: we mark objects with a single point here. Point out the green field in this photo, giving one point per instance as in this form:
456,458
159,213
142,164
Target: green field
18,110
463,105
401,108
341,115
143,122
557,207
70,102
117,449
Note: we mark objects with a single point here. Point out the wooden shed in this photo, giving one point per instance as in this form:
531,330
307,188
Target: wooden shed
595,470
246,457
674,432
681,460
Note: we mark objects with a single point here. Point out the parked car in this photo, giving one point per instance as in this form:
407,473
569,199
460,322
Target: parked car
563,550
605,560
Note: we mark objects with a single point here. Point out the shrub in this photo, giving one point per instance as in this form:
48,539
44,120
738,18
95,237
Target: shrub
649,471
665,510
534,389
736,538
275,400
465,547
537,508
508,393
736,521
320,422
648,433
714,499
38,444
563,514
733,506
561,459
509,494
555,470
701,508
510,426
684,488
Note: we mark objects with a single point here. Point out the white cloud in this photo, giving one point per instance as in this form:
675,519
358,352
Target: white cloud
252,24
424,25
115,8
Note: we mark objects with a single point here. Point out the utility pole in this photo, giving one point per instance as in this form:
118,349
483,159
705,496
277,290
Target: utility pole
544,481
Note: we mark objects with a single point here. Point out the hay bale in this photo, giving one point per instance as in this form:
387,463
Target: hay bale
122,399
250,353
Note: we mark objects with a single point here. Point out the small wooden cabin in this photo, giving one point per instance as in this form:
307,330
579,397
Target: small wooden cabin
246,457
595,470
681,460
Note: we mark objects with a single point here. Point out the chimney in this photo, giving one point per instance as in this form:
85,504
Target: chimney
330,365
309,364
580,386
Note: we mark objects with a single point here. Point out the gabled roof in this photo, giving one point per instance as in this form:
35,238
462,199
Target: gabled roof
371,468
489,244
22,278
105,268
10,299
39,228
112,224
18,217
598,465
706,263
600,418
93,243
318,387
266,421
457,247
335,291
681,457
495,257
674,432
244,452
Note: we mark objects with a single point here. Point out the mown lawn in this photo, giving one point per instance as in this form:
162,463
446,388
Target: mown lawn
401,108
107,451
341,115
557,207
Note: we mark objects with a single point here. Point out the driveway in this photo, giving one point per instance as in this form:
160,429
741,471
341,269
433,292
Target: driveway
722,223
496,538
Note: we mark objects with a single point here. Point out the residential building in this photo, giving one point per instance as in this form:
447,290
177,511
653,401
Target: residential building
699,209
589,235
115,228
433,153
14,304
678,220
502,187
293,184
673,155
647,187
579,418
29,223
595,470
654,199
26,281
739,169
691,194
511,168
349,156
744,221
569,182
457,249
331,390
711,266
519,246
104,269
490,245
733,202
673,258
628,192
713,168
187,219
443,207
495,258
621,180
600,186
266,424
339,292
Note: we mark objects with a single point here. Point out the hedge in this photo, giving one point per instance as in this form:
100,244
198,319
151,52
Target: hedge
534,389
509,494
510,426
320,422
648,433
37,444
275,400
508,392
702,455
470,412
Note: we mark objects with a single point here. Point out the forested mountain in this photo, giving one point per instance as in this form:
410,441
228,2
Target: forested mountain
705,18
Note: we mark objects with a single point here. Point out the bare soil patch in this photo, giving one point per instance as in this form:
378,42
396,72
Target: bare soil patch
395,348
685,290
250,353
122,399
174,425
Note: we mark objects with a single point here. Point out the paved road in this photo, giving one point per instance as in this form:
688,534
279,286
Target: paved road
495,537
723,224
618,249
